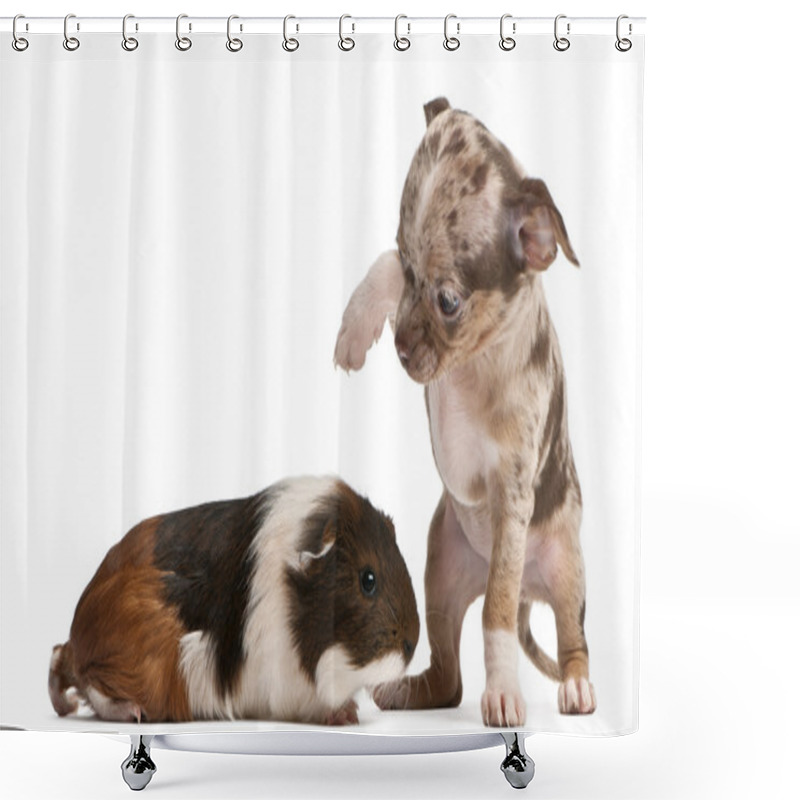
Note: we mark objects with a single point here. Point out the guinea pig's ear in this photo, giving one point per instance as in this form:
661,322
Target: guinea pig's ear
538,226
307,557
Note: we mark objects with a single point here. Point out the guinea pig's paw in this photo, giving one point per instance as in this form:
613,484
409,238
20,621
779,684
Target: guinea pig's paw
393,695
346,715
502,708
576,697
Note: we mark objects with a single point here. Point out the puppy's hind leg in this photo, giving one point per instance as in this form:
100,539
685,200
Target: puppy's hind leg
374,299
561,565
454,577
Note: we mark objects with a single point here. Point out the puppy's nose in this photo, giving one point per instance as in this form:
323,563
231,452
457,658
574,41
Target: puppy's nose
401,345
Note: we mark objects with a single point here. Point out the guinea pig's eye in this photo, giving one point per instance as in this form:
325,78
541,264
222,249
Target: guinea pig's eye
449,302
369,583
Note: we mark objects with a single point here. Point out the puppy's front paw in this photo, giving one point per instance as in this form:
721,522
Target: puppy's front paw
393,695
503,708
357,334
346,715
576,696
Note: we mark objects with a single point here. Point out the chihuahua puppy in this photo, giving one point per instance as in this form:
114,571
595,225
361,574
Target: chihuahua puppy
464,295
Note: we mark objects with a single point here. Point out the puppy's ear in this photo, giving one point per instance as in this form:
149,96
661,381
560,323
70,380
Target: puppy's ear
539,226
434,108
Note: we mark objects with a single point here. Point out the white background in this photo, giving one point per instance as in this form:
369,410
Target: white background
174,345
720,605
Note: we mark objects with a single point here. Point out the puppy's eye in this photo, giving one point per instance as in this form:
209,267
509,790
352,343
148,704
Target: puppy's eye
449,302
369,583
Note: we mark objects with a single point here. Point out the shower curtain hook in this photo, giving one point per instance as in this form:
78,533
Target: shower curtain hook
234,45
289,44
623,45
401,43
19,43
71,43
507,42
346,43
129,43
561,43
451,42
183,43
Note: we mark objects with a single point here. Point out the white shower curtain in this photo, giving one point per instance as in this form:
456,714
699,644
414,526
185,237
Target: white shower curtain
181,232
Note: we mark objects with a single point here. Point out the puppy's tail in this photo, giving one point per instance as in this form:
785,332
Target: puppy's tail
61,679
541,660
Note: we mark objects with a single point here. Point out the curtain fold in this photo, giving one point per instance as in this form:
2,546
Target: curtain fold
180,235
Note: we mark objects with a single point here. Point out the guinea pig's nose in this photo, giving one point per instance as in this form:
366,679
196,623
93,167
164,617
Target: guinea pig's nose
408,649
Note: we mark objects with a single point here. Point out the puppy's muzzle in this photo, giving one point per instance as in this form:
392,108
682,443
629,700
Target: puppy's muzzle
417,357
403,347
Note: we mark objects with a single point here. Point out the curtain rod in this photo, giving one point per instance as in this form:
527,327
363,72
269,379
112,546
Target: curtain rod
462,26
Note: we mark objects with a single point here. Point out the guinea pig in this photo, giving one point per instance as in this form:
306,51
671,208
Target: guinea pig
277,606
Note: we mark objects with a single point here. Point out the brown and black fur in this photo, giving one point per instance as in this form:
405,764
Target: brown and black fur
194,613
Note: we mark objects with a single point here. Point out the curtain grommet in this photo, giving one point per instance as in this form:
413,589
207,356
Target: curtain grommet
623,44
19,43
183,43
346,43
507,43
233,44
451,43
71,43
129,43
401,43
289,44
561,43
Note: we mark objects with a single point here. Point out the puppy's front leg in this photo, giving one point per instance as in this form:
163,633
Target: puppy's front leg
502,704
374,299
454,576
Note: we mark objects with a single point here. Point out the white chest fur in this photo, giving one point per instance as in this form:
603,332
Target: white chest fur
464,452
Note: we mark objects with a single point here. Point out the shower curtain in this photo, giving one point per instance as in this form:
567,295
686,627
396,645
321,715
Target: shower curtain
181,232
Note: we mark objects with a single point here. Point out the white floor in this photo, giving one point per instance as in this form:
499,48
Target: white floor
718,719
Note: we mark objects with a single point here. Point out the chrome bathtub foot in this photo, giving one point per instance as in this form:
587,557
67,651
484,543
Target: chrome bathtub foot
138,768
518,766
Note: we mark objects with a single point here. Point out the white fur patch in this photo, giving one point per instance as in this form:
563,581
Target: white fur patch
502,703
272,684
337,680
462,449
199,670
576,697
304,559
501,654
113,710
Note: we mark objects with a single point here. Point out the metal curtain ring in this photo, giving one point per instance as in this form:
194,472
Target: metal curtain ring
234,45
289,44
451,42
401,42
623,45
506,42
561,43
183,43
19,43
70,42
346,43
129,43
